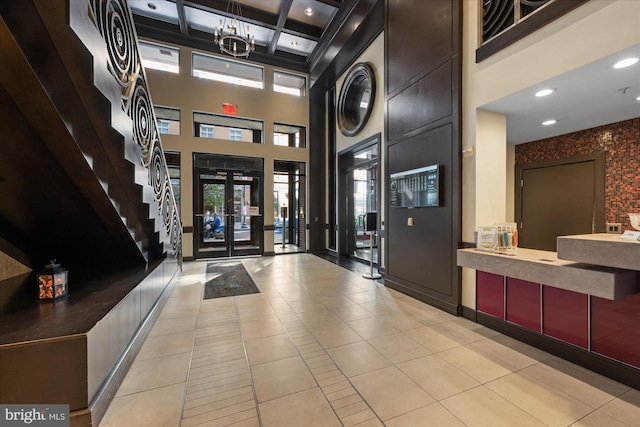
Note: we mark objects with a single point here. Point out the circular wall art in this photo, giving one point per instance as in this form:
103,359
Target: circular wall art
356,99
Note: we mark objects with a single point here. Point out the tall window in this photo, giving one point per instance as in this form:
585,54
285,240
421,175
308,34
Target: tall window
207,125
159,57
168,120
289,135
173,164
292,84
228,71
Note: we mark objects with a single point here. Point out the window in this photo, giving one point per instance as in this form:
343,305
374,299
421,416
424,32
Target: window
228,71
289,135
168,120
289,83
235,134
206,131
207,125
159,57
173,164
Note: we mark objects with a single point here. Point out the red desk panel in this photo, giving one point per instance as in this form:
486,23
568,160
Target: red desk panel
615,328
490,294
523,304
566,316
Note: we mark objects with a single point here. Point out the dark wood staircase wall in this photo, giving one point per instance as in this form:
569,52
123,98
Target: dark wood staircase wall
82,172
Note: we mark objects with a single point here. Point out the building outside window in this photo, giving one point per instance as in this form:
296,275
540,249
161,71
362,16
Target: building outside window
206,131
235,134
291,84
168,120
228,71
289,135
159,57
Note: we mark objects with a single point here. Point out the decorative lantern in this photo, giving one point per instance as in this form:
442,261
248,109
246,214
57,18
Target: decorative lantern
53,282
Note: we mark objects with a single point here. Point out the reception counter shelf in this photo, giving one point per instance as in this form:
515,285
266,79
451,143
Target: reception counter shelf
589,314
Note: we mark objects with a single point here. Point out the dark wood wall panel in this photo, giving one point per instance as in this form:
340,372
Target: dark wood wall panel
422,103
421,254
421,33
423,85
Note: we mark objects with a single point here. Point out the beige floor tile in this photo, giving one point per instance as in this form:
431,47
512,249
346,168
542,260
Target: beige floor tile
159,407
358,358
262,328
173,326
547,404
316,318
352,312
482,407
403,322
477,364
335,335
165,345
398,347
390,393
153,373
586,386
514,352
437,376
308,408
459,332
281,378
598,419
269,349
372,328
626,408
434,415
255,313
430,338
181,310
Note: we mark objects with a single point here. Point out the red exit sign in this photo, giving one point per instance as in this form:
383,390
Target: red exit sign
229,109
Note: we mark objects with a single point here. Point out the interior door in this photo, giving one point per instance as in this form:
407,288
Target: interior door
235,199
555,201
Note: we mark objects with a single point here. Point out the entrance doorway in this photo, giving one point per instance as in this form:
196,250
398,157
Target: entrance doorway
228,209
289,183
559,198
359,187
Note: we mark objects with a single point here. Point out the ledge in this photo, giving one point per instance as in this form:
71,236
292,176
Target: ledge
544,267
600,249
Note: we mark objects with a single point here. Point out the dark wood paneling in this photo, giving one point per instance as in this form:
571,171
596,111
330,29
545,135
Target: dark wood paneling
420,33
424,102
316,218
423,87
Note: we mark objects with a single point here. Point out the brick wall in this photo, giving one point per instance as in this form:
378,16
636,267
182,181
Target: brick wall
621,144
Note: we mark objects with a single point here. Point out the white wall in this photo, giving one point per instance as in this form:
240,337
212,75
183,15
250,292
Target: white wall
594,30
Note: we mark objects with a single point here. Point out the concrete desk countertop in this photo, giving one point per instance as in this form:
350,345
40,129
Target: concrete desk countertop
544,267
600,249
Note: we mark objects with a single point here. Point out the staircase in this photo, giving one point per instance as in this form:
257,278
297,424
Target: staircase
82,172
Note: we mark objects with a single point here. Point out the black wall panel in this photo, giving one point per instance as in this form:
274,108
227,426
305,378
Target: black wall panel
423,83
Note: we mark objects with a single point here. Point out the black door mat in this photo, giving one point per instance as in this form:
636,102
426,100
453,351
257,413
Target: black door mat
228,279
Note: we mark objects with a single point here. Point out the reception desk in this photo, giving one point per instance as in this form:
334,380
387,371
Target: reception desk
587,313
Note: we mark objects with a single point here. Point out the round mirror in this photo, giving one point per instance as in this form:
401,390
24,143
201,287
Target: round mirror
356,99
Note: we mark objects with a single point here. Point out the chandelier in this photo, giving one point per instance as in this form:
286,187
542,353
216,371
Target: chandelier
233,35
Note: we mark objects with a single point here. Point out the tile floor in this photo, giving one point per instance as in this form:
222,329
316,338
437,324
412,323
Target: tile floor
322,346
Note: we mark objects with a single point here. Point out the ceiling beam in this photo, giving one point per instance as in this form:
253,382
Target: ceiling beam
334,3
182,20
283,12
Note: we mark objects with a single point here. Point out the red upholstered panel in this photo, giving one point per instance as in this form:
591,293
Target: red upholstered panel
524,307
490,294
566,316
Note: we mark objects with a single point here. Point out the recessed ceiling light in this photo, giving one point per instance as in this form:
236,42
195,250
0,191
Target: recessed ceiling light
549,122
294,43
638,98
627,62
151,6
544,92
308,11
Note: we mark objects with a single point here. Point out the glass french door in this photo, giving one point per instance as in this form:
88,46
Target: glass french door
228,219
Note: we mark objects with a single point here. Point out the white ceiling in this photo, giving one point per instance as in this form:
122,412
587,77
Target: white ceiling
589,96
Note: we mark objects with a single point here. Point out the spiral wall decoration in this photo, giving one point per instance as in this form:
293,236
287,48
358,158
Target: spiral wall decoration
115,23
498,15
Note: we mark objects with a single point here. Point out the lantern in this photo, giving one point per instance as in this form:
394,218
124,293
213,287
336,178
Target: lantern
53,282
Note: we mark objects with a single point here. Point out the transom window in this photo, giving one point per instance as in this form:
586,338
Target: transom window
228,71
292,84
289,135
159,57
207,125
168,120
